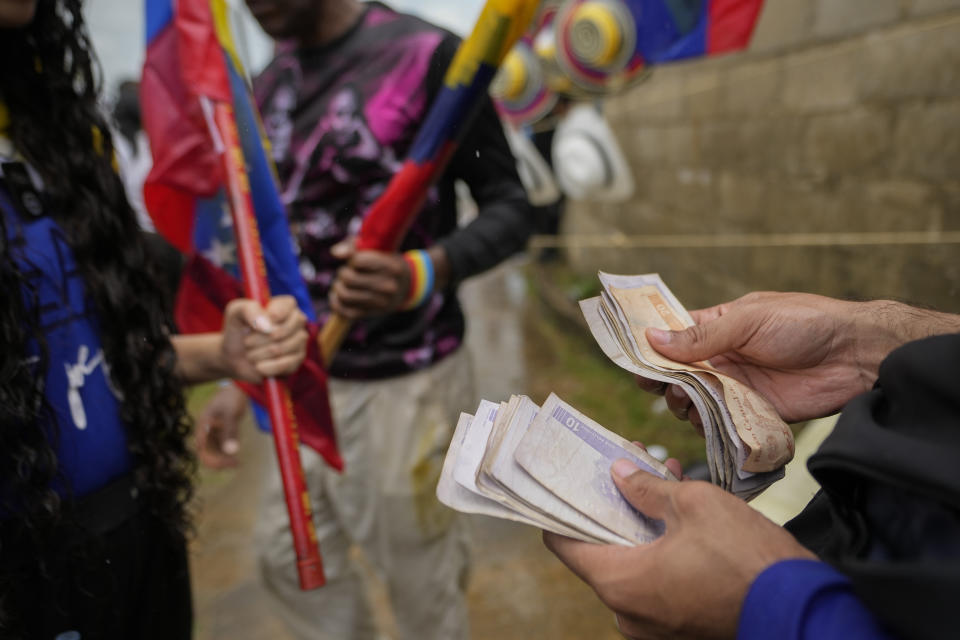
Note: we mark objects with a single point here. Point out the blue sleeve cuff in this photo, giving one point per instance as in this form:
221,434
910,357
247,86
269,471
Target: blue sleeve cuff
805,600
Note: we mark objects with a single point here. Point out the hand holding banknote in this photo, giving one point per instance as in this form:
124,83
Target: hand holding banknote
713,548
802,352
747,443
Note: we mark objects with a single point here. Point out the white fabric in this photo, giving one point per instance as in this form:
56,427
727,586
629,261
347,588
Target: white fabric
135,163
393,435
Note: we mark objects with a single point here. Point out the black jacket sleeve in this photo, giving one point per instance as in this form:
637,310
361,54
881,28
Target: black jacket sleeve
484,162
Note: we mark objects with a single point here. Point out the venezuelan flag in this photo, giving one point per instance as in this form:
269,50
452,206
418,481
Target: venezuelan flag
191,64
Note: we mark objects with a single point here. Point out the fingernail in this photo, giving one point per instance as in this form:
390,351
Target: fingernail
263,324
623,468
659,335
230,447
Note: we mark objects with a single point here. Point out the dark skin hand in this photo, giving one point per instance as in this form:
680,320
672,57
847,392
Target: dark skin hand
807,354
375,282
690,583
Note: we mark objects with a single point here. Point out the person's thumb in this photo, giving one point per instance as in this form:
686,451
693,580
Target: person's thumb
344,249
699,342
250,314
645,491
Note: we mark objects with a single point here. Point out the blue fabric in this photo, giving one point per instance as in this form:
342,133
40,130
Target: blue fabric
662,28
279,248
91,439
157,15
805,600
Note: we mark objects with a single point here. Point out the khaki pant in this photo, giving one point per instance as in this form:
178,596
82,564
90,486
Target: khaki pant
393,435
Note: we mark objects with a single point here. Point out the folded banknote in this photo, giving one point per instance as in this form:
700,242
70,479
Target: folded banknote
548,467
747,442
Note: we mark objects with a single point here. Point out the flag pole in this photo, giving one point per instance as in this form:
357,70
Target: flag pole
279,405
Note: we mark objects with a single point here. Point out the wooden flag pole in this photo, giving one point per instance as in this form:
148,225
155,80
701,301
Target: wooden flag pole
279,405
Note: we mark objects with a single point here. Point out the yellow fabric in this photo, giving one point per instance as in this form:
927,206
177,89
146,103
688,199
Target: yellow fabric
604,23
513,77
500,25
221,21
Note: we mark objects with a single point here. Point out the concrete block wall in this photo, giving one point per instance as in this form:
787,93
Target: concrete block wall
842,116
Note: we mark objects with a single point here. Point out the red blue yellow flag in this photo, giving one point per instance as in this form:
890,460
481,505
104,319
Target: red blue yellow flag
190,66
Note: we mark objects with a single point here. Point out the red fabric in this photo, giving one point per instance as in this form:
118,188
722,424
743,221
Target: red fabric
391,215
731,24
205,290
184,62
201,56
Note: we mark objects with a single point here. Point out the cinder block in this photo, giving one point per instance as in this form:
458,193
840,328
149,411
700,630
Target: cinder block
771,146
741,203
822,79
686,195
783,24
719,144
950,196
767,146
644,145
661,98
620,109
797,206
923,7
849,17
920,59
927,140
900,205
679,148
752,88
849,142
703,91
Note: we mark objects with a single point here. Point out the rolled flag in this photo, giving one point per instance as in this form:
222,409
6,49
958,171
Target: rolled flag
210,168
606,45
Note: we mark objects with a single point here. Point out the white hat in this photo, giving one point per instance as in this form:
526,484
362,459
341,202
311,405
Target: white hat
587,160
535,173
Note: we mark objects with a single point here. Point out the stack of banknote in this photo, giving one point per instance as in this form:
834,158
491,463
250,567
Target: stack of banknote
747,443
548,467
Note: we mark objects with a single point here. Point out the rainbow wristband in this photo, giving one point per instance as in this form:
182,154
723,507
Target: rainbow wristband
421,278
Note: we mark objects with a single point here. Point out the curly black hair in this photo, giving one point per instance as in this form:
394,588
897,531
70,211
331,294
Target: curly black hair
49,81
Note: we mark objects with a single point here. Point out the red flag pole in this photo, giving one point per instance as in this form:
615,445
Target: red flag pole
279,405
